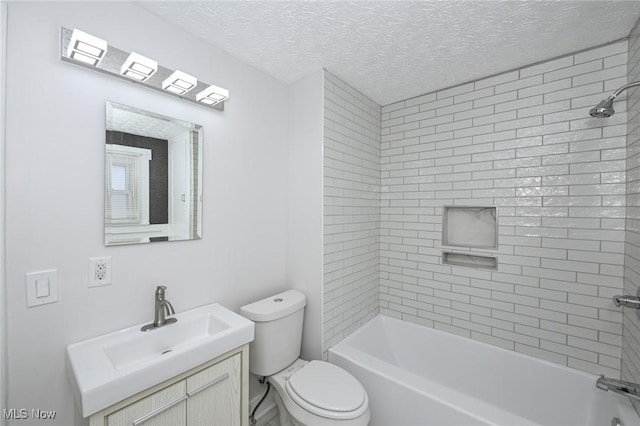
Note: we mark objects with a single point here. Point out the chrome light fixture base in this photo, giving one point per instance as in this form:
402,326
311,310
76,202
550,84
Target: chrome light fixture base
114,63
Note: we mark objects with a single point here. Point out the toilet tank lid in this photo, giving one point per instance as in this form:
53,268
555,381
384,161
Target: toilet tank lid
274,307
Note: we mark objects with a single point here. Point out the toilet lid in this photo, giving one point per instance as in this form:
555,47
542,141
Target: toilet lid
327,387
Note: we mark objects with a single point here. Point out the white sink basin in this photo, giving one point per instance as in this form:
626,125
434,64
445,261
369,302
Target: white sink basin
107,369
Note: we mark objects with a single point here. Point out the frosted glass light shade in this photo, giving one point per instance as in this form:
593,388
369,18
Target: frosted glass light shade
138,67
86,48
212,95
179,83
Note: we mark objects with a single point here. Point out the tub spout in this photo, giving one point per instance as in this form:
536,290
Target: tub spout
632,390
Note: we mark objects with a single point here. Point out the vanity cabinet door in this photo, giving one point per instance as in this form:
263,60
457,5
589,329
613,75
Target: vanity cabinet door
167,407
214,394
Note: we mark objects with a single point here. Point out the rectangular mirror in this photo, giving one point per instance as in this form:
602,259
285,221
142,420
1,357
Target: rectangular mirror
153,177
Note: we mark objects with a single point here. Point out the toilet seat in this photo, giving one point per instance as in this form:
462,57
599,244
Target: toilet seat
327,390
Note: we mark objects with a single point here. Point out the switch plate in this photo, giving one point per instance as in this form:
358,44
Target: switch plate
99,271
42,287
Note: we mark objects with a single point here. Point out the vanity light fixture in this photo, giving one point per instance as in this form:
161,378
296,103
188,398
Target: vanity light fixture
86,48
89,51
179,82
138,67
212,95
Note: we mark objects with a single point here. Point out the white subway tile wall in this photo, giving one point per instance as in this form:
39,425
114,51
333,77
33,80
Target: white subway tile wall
351,209
524,142
631,321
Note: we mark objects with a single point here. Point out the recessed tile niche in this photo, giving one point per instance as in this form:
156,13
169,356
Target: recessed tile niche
469,260
470,226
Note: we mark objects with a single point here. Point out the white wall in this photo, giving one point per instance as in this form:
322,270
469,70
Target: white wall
3,321
304,205
55,154
523,141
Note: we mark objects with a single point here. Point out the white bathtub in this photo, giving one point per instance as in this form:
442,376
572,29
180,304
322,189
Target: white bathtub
416,375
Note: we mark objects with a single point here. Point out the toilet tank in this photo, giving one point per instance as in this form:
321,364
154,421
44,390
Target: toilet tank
278,331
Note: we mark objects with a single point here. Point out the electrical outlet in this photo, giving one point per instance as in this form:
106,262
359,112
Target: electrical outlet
99,271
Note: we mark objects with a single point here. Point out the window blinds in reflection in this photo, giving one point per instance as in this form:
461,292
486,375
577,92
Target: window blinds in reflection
118,177
126,177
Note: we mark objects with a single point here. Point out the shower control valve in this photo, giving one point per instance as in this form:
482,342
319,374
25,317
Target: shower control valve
628,301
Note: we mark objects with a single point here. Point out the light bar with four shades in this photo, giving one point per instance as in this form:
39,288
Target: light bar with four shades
93,52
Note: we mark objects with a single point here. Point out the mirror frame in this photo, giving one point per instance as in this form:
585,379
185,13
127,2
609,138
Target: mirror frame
129,169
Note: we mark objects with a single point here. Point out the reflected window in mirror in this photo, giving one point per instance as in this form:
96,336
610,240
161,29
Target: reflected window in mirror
153,177
127,174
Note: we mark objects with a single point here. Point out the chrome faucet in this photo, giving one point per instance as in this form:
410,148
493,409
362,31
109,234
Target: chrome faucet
632,390
162,308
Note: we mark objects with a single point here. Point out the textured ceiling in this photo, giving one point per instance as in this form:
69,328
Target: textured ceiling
394,50
131,120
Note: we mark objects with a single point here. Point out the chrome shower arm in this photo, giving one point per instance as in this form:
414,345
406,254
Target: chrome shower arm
623,88
604,109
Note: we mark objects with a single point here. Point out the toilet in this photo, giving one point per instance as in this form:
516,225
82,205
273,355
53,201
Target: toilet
307,393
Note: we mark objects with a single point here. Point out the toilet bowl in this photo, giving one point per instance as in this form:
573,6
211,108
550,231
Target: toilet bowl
317,393
309,393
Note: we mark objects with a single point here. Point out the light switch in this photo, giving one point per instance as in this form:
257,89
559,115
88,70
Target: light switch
42,287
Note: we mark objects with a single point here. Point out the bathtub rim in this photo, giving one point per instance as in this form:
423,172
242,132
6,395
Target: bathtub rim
353,354
387,318
443,395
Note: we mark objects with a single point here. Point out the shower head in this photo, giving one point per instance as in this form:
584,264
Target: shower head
605,108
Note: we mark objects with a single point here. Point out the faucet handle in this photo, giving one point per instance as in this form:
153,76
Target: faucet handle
629,301
160,291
